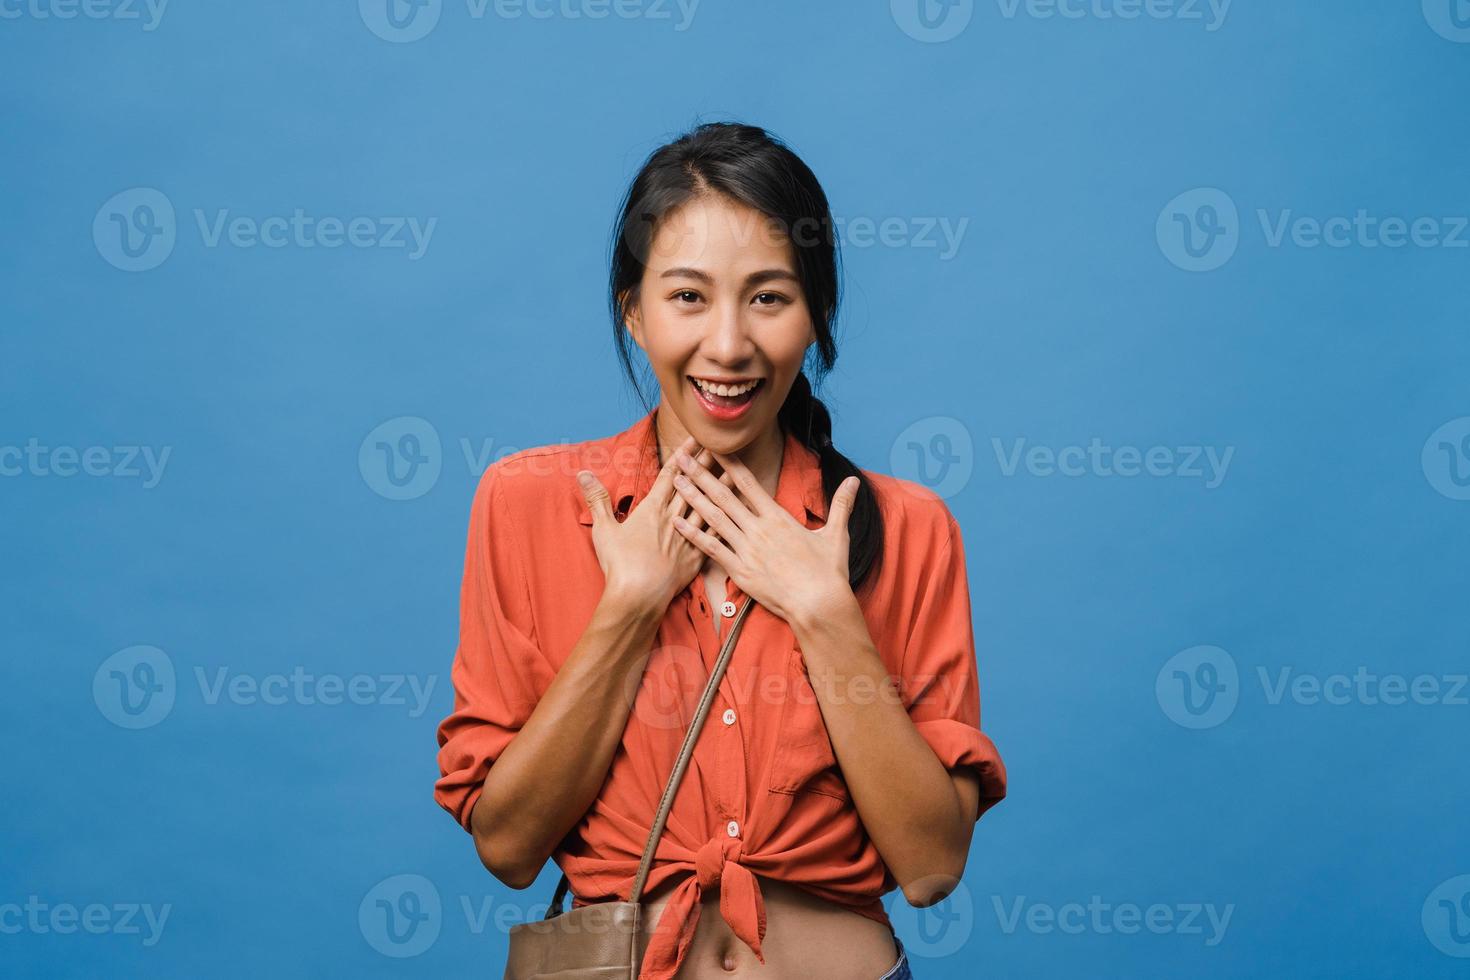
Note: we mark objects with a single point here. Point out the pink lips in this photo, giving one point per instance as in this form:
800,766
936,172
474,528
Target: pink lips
724,413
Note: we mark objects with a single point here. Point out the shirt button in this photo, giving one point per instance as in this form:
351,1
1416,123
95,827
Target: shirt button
729,716
732,828
727,609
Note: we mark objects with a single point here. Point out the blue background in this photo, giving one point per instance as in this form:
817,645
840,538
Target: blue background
1329,545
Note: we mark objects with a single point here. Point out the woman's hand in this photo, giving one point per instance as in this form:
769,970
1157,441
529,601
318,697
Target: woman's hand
644,558
795,572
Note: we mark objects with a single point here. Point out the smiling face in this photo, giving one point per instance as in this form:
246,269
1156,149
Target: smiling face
720,301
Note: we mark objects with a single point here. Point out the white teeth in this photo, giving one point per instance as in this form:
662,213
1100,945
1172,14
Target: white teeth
728,391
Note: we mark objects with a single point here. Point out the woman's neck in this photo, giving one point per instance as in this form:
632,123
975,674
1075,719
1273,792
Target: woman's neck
762,457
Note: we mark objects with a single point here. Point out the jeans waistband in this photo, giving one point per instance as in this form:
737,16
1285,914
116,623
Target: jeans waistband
899,970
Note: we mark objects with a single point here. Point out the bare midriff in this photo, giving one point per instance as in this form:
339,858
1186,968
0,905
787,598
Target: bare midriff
806,937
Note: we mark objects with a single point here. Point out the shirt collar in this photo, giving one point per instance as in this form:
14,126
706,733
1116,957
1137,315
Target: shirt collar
627,465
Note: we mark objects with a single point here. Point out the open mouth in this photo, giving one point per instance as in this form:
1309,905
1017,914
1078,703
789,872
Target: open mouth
726,400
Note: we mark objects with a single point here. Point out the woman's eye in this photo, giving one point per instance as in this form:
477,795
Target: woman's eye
774,297
688,295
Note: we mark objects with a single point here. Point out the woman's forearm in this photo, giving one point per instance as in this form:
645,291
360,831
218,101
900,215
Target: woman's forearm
549,774
917,814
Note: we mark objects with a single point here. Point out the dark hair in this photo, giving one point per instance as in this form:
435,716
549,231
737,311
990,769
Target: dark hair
754,168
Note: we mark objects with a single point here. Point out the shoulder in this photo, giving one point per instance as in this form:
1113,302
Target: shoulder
913,514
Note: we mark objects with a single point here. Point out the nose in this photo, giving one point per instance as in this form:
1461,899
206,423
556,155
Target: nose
727,339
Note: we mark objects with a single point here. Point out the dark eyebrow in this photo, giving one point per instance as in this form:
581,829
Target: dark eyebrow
755,278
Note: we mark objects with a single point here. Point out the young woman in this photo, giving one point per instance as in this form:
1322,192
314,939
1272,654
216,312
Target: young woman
843,755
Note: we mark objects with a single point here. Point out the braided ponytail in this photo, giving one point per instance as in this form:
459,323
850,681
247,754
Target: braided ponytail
804,415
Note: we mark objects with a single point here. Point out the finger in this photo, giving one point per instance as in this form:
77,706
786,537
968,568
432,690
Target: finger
843,502
715,517
599,501
707,543
692,515
679,507
753,495
663,485
721,494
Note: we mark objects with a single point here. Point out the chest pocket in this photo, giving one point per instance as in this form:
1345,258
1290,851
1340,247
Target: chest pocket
804,761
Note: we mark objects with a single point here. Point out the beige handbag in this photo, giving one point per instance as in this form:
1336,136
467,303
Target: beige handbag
606,940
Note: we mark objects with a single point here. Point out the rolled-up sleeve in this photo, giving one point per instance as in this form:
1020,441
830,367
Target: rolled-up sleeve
492,671
940,681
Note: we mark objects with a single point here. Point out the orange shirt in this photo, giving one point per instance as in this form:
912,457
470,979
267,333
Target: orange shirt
763,794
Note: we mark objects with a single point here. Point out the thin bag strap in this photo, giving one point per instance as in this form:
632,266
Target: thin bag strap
686,751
